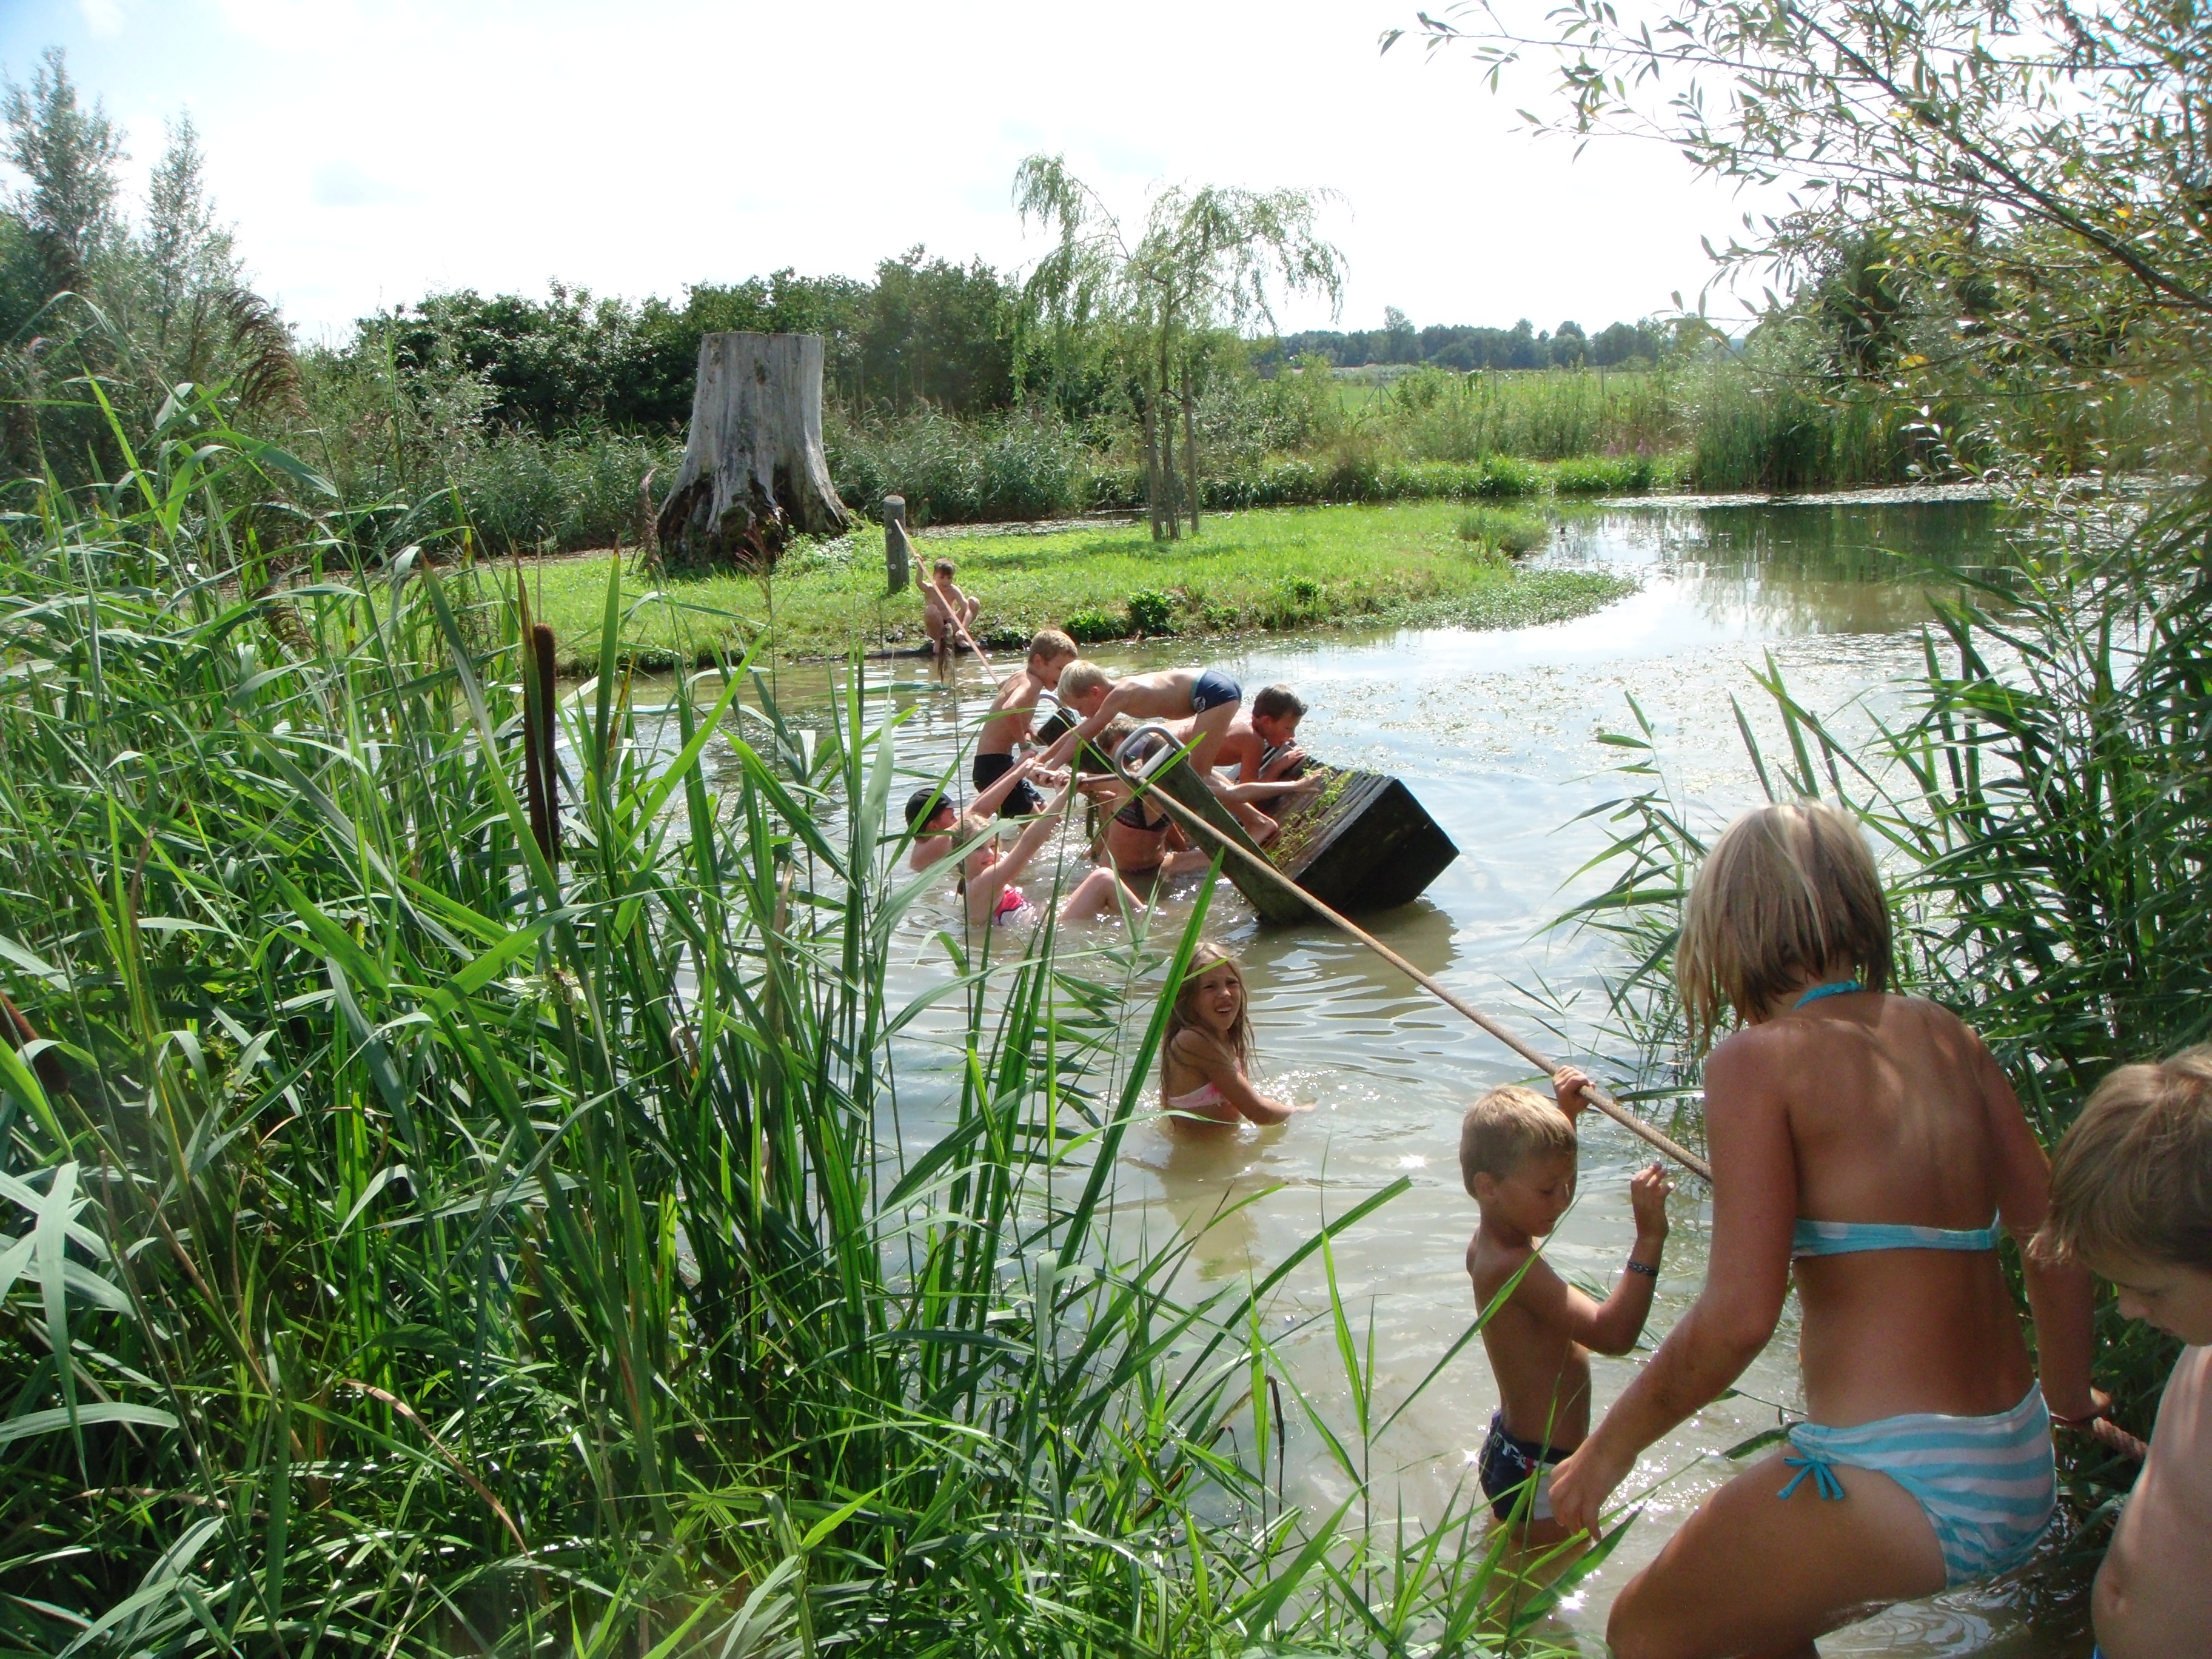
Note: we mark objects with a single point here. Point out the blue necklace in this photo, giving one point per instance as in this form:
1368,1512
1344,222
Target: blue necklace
1841,988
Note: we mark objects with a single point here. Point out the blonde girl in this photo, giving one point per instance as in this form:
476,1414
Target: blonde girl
1869,1142
1203,1087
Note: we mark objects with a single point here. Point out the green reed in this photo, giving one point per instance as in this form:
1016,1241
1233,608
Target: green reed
2044,809
419,1243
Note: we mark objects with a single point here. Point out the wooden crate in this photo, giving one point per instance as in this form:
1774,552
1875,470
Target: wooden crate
1363,843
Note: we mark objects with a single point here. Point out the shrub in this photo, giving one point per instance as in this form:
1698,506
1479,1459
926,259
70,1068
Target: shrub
1089,627
1506,531
1603,475
1151,611
1503,475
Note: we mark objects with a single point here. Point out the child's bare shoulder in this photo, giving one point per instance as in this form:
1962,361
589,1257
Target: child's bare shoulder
1493,1265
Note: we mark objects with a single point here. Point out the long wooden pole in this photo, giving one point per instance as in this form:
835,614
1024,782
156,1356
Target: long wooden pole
1596,1096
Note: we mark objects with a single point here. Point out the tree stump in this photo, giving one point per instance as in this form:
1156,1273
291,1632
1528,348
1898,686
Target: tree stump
898,547
753,474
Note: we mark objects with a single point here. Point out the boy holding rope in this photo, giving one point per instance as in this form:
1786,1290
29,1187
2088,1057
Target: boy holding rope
1516,1156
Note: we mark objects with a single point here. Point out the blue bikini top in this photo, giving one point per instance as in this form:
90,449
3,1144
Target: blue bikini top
1849,1237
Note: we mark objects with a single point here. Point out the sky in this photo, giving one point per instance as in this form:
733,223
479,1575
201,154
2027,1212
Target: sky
371,151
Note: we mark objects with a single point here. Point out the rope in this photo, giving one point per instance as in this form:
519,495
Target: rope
1596,1096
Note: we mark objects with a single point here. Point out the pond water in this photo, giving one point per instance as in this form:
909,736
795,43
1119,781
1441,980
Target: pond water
1497,733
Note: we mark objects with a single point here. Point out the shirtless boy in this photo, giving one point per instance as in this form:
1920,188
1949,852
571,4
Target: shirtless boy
1007,723
948,616
1198,702
2131,1200
1516,1156
1262,740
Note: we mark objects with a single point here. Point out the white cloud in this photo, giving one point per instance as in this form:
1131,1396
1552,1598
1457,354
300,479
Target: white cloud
370,153
105,18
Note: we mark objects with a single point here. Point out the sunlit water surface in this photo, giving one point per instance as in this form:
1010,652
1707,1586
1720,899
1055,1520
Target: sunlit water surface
1498,734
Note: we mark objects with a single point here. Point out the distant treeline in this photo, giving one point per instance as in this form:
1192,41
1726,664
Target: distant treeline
1465,348
924,330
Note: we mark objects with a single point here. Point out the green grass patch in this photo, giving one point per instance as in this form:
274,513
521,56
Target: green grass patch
1507,532
1282,569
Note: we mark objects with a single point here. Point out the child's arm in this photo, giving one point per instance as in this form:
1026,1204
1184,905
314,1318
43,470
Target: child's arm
1038,831
1245,792
1228,1078
1613,1326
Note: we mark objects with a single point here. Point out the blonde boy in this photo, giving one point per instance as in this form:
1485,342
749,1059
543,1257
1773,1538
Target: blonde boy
1008,722
1516,1156
2131,1200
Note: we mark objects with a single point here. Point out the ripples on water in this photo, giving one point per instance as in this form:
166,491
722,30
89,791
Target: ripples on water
1496,734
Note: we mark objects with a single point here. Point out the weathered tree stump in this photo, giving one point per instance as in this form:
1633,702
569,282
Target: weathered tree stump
754,474
898,547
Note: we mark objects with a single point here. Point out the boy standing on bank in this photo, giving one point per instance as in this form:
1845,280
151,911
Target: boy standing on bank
1516,1157
948,616
2131,1200
1007,724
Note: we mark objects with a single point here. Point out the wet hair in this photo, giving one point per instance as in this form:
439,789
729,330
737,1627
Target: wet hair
942,567
2133,1177
1182,1015
1508,1127
1277,703
1787,891
1051,645
1082,677
919,803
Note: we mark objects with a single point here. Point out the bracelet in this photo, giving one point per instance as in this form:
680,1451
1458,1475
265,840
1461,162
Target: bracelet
1639,1268
2083,1422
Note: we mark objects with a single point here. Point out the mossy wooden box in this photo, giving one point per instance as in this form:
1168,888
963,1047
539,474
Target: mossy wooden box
1362,843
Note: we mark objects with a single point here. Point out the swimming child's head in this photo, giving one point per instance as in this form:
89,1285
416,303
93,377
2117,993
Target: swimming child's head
1516,1153
1211,998
1050,649
1276,712
1083,684
931,818
2131,1193
1788,894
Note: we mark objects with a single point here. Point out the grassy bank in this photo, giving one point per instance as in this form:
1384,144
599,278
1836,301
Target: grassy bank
1248,572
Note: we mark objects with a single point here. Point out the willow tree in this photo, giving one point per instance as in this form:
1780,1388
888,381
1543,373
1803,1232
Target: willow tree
1203,261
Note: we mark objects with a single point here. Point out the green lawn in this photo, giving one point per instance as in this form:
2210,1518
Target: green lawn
1299,568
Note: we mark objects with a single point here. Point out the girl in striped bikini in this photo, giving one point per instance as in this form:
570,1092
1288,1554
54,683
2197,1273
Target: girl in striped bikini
1869,1143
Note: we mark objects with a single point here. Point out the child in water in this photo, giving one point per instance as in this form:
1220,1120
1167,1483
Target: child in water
1203,1087
2131,1200
987,875
1516,1157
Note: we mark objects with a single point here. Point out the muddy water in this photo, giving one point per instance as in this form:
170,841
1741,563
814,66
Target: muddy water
1497,735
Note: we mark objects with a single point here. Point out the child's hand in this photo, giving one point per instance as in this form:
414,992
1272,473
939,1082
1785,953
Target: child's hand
1567,1086
1647,1200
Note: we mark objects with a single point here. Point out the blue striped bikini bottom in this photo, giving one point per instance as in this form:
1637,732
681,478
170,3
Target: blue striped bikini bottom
1987,1484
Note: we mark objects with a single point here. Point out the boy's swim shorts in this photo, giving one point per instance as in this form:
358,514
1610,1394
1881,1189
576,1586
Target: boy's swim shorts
1508,1461
1213,689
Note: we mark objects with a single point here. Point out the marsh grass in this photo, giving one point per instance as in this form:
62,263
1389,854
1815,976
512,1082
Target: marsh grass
423,1246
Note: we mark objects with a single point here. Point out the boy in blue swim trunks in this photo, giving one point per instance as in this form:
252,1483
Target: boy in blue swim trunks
1516,1156
1197,703
2131,1200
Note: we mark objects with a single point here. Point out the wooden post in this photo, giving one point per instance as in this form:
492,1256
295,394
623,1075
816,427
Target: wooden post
898,550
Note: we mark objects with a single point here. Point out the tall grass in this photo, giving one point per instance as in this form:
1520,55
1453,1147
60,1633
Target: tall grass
434,1235
1433,415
